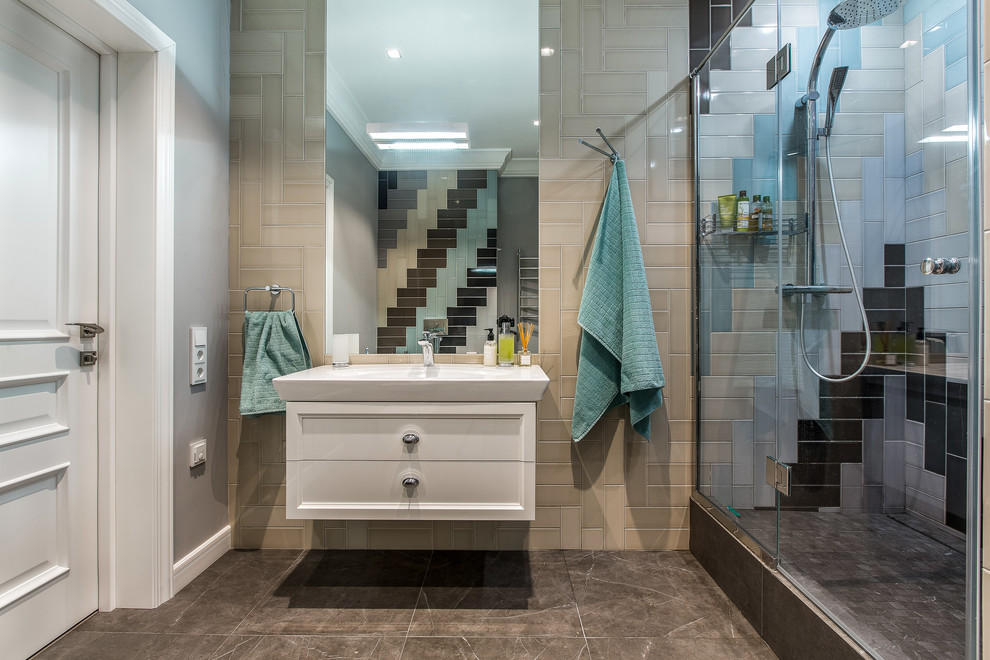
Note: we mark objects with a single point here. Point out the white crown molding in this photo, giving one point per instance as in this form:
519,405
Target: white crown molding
345,109
465,159
522,167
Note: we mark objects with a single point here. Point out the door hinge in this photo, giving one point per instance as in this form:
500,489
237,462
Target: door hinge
778,66
87,358
779,475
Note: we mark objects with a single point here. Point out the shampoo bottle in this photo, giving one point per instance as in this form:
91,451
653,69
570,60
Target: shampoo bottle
742,212
506,341
491,348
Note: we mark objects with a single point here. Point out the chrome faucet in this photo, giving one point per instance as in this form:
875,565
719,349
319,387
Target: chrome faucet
429,347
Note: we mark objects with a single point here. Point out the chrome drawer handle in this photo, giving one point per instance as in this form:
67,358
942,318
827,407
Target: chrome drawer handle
410,482
410,438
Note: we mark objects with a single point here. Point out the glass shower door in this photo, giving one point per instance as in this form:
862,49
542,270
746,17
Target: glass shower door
875,527
738,271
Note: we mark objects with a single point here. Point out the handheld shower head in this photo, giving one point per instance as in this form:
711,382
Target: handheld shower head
834,89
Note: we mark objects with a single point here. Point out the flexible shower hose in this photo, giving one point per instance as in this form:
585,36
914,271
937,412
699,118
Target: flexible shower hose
855,287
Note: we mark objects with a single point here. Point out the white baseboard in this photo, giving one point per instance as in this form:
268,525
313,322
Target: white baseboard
189,567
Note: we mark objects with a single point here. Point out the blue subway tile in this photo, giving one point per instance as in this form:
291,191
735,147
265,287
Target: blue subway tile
893,144
742,174
955,49
873,172
914,163
955,74
851,49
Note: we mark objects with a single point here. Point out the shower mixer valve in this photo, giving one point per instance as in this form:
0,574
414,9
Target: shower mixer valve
940,266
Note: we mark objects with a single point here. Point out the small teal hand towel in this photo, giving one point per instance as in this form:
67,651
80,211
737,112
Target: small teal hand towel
619,361
273,346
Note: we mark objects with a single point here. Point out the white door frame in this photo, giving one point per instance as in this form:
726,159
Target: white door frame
137,134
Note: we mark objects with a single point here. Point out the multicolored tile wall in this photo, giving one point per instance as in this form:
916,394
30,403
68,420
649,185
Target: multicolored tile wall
437,257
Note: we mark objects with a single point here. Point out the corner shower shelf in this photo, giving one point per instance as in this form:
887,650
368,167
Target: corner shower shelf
727,232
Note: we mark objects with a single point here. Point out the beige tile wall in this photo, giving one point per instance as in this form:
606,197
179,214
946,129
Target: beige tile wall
618,64
277,215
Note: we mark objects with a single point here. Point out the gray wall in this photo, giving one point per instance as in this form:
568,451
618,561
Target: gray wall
355,237
201,31
518,228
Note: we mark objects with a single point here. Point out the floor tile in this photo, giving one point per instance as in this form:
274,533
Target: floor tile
341,592
309,647
651,594
496,648
84,645
497,594
681,649
214,603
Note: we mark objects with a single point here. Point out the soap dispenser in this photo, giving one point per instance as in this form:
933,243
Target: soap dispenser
506,341
491,348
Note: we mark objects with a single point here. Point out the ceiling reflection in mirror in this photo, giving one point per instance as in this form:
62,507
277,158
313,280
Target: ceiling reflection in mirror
432,139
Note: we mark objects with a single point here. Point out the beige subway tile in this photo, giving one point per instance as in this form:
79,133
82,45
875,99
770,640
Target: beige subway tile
680,474
572,275
315,128
550,65
250,214
593,539
560,495
751,365
272,20
316,26
293,214
615,500
549,125
638,38
270,257
245,106
250,150
583,126
632,104
546,516
509,538
334,538
271,537
303,171
668,495
570,528
315,84
314,150
287,277
304,193
271,172
611,83
657,517
256,42
400,539
255,63
556,474
244,85
265,516
273,496
314,279
591,38
613,471
634,60
293,123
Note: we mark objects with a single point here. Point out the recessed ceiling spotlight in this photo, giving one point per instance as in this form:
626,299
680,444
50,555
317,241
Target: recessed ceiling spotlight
393,53
536,122
546,51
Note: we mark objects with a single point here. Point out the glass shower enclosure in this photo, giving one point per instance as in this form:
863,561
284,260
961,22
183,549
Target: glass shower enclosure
851,456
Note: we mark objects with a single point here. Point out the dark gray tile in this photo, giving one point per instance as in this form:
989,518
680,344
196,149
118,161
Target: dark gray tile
85,645
496,648
215,602
650,594
681,649
308,647
497,594
343,592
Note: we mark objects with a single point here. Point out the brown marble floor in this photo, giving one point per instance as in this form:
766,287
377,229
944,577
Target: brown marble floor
421,604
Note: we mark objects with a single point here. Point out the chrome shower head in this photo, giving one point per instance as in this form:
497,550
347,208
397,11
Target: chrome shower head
850,14
834,89
846,15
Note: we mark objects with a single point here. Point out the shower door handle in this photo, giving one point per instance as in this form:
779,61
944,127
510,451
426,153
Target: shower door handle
940,266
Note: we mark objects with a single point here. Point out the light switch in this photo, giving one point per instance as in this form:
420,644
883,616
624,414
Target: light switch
198,355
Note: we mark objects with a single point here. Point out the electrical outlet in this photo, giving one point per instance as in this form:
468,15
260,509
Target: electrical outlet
197,453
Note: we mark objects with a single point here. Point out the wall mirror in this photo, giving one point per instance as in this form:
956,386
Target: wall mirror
432,140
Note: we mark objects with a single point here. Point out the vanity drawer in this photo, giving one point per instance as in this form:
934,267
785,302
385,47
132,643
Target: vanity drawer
443,432
445,490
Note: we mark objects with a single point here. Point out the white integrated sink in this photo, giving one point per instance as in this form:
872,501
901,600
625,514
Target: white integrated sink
409,382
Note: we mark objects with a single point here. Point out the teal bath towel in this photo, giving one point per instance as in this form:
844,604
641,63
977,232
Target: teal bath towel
273,347
619,361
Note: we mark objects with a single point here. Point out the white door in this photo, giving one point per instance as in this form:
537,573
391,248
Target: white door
49,138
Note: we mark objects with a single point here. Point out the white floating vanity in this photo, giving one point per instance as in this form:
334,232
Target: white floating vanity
406,442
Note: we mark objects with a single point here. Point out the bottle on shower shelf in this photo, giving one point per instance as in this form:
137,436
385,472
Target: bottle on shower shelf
767,214
742,212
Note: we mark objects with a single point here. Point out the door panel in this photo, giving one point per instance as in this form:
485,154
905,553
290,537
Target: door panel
49,119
